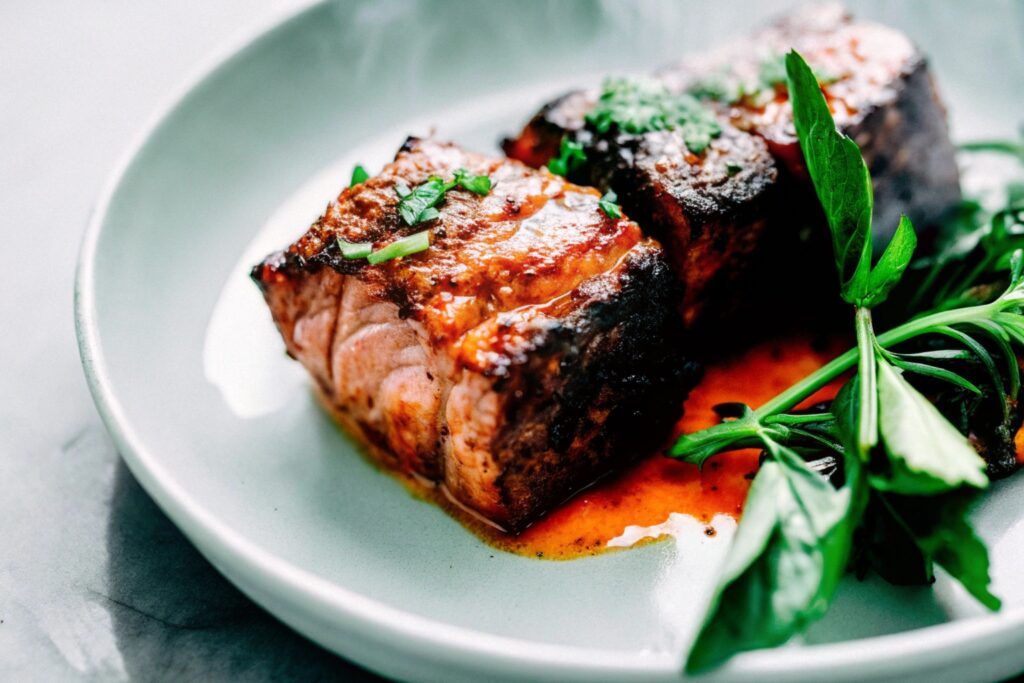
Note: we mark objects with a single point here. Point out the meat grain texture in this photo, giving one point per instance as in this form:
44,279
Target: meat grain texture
532,348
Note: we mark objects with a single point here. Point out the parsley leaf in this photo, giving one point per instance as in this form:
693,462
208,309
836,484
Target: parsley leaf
641,105
570,157
359,175
608,205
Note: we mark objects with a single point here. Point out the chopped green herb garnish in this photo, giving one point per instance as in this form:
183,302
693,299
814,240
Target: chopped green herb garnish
412,244
772,71
907,474
414,204
732,168
641,105
726,86
354,250
607,203
359,175
722,86
570,156
417,205
478,184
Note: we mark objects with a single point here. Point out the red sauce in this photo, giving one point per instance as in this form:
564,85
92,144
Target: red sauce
656,486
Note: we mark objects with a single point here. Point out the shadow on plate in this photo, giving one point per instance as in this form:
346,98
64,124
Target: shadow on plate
175,617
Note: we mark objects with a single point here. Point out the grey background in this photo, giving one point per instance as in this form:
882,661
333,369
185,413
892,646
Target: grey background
95,582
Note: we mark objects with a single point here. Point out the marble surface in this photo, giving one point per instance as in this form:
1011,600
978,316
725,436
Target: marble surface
95,582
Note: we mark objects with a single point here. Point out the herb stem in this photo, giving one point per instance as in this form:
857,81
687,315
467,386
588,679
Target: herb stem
867,370
792,396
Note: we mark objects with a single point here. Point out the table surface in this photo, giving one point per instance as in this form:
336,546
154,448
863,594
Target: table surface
95,582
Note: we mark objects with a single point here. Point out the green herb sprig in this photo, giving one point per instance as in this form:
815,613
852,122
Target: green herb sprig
570,157
359,175
415,206
607,204
418,204
905,469
641,105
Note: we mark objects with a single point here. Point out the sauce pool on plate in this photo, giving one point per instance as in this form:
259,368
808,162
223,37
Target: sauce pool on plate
648,493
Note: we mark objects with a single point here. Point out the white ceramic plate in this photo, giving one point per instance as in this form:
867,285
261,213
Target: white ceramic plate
219,427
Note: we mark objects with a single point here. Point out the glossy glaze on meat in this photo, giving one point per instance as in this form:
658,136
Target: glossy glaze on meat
532,348
708,209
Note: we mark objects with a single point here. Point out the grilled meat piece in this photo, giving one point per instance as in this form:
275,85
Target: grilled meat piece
530,350
882,96
708,209
878,86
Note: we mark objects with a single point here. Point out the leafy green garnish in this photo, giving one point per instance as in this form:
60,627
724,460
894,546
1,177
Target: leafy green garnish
570,157
784,563
417,205
477,184
840,178
608,205
641,105
907,471
359,175
412,244
725,85
927,455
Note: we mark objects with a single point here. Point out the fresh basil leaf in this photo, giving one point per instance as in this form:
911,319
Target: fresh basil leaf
840,178
359,175
889,269
570,157
478,184
608,205
939,527
926,454
784,564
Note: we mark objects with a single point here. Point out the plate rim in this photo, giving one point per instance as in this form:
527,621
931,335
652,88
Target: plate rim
434,640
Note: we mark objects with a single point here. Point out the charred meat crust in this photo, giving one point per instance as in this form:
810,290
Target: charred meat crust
602,389
708,211
531,349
